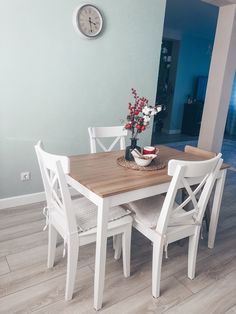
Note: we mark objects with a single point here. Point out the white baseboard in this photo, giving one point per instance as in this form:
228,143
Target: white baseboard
171,131
25,199
21,200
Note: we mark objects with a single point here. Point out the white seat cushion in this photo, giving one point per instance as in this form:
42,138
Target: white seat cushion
86,214
147,210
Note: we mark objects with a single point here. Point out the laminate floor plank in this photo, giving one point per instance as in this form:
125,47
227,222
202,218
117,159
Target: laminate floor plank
23,243
38,254
209,270
27,258
28,276
217,298
43,294
21,216
232,310
4,268
30,267
133,302
172,293
22,210
21,230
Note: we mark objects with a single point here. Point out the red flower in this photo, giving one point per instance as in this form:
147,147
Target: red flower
128,126
135,118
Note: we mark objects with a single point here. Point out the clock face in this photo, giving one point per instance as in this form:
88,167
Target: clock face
88,20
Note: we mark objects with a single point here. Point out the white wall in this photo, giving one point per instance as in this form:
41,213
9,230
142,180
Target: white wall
220,82
54,84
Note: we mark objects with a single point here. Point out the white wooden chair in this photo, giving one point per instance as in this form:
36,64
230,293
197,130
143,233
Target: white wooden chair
95,136
96,133
204,154
163,221
75,220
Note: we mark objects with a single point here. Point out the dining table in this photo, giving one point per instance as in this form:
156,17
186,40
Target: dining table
106,183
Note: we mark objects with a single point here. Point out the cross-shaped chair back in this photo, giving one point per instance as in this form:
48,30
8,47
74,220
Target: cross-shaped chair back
96,133
184,174
53,169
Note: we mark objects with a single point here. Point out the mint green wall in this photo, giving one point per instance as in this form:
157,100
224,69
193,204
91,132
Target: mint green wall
54,83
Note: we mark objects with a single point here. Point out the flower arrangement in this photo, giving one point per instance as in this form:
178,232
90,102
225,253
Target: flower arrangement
139,114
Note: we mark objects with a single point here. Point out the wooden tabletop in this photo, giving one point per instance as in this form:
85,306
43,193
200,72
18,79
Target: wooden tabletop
101,174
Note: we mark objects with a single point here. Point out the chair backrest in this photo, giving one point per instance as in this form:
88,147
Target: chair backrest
183,172
53,169
96,133
199,152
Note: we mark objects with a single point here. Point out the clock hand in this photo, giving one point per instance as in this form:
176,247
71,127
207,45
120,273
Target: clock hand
90,24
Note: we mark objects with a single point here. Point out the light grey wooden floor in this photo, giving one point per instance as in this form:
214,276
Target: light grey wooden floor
27,286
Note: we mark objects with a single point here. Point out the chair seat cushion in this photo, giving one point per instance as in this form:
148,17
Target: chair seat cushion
86,213
147,210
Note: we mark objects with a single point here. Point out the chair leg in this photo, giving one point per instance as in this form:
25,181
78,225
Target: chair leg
126,246
72,259
156,267
114,242
207,216
52,242
216,208
117,240
192,252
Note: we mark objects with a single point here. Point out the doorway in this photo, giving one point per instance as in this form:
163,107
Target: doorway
165,85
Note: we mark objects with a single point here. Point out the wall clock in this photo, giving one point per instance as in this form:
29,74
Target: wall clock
88,20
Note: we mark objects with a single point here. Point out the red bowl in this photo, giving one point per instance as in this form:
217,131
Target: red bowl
149,150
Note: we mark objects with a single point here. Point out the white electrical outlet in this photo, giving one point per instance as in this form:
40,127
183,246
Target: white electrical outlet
25,176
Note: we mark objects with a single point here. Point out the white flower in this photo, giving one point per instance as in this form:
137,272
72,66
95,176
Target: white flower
158,108
146,110
146,118
149,111
153,112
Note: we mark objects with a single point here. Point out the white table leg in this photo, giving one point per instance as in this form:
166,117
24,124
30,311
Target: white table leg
101,248
216,208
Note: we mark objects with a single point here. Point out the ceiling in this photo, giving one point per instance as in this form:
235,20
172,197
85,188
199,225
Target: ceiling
191,16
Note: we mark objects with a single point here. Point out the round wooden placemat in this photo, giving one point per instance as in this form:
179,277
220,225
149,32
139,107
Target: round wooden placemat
156,164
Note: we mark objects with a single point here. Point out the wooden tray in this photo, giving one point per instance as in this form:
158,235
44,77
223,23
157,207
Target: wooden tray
156,164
